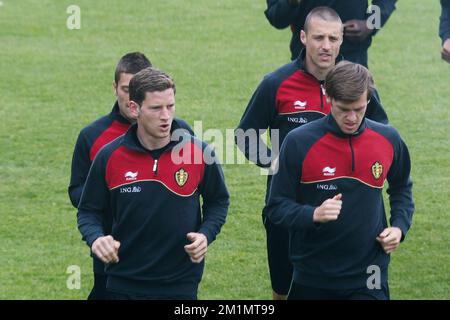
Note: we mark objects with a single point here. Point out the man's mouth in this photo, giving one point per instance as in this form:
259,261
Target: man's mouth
325,56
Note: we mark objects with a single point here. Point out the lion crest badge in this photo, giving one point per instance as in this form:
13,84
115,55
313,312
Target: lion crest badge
377,170
181,177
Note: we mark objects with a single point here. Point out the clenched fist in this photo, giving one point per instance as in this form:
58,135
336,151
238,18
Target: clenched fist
329,210
106,249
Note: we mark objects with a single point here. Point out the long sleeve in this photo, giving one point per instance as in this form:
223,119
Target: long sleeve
386,9
255,120
375,110
282,207
280,13
400,188
94,202
444,25
80,169
215,198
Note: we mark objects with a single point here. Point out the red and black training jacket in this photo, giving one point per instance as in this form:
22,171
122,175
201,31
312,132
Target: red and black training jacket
154,200
319,161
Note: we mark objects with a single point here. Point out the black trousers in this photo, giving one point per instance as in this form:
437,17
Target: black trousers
98,292
111,295
300,292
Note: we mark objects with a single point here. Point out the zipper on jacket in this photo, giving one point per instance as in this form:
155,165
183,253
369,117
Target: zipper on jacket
353,153
322,93
155,167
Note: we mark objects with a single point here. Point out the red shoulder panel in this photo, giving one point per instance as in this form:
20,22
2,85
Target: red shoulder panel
115,130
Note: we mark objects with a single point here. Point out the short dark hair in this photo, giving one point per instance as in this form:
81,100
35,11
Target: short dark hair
149,80
324,13
132,63
347,81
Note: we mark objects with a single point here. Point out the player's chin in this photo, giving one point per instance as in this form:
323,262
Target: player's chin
326,63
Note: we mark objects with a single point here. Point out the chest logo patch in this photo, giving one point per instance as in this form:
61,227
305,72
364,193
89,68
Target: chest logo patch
299,105
130,176
181,177
329,172
377,170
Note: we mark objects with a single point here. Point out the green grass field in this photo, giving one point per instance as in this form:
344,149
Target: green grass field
54,81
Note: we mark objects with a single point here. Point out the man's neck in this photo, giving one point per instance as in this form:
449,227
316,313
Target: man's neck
126,118
319,74
151,143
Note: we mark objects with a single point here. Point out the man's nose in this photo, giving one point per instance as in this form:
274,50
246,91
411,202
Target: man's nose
165,113
326,44
352,116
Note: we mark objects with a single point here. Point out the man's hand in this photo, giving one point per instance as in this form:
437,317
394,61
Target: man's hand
390,238
445,52
197,249
356,30
106,249
329,210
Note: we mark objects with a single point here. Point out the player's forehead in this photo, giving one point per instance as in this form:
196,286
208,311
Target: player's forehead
319,26
124,78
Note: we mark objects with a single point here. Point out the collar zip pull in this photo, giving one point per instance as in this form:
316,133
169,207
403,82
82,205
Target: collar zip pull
155,167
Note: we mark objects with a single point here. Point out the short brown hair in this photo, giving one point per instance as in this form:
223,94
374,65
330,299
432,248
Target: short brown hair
132,62
347,81
324,13
149,80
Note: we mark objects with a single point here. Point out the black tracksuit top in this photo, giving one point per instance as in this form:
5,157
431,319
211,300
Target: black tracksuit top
154,201
317,162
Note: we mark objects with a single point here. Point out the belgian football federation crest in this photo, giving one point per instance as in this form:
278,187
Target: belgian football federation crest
377,170
181,177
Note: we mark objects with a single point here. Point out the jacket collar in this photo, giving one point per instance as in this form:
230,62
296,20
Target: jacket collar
332,127
116,115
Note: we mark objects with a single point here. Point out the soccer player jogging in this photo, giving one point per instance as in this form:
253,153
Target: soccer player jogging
328,193
99,133
286,99
150,181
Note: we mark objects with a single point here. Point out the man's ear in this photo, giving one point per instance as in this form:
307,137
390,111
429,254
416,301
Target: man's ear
114,86
303,37
134,108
